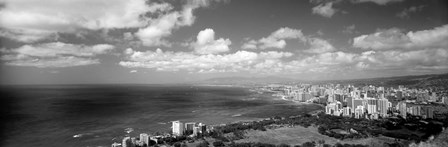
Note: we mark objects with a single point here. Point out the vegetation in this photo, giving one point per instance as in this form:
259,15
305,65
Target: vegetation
343,127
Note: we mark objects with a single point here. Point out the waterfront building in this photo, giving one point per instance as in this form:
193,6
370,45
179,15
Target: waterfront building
350,102
359,111
383,107
333,108
347,111
178,128
445,100
126,142
202,128
330,108
196,130
339,97
372,105
427,112
189,126
144,138
133,142
357,102
116,144
331,98
401,106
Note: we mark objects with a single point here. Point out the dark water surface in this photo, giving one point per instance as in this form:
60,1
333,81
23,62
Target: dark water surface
50,115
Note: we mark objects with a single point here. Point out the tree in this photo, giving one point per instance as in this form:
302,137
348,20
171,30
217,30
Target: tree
218,144
202,144
177,144
284,145
308,144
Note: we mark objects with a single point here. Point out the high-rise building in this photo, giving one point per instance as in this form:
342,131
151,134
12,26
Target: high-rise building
350,102
202,128
401,106
347,111
189,126
445,100
338,97
116,145
383,107
399,95
126,142
357,102
372,105
330,108
144,138
359,111
178,128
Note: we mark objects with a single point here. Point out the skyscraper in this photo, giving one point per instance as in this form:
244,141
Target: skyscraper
189,127
126,142
178,128
144,138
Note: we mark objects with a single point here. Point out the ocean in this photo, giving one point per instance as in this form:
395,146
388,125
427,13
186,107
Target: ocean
98,115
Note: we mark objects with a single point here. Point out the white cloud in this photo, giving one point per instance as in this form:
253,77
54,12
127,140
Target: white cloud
318,45
406,60
63,61
206,43
407,11
56,54
28,36
176,61
275,39
325,10
379,2
395,38
133,71
349,29
38,18
284,63
162,26
251,44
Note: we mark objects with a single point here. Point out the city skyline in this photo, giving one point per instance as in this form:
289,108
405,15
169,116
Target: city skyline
120,41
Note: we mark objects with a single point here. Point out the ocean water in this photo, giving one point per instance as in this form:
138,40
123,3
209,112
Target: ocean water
51,115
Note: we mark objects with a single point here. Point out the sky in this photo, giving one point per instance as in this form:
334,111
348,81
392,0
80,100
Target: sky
171,41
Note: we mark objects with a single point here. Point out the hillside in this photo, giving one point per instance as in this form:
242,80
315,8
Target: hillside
418,81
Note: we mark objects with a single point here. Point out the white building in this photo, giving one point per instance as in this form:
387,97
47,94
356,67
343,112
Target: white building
116,144
178,128
359,111
126,142
144,138
347,111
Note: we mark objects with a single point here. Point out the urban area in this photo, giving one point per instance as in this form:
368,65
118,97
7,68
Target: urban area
389,111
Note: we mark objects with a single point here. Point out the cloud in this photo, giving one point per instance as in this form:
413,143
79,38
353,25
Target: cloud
28,36
349,29
325,10
407,11
176,61
56,54
318,46
163,26
133,71
39,18
395,38
272,62
206,43
407,60
275,39
379,2
425,60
